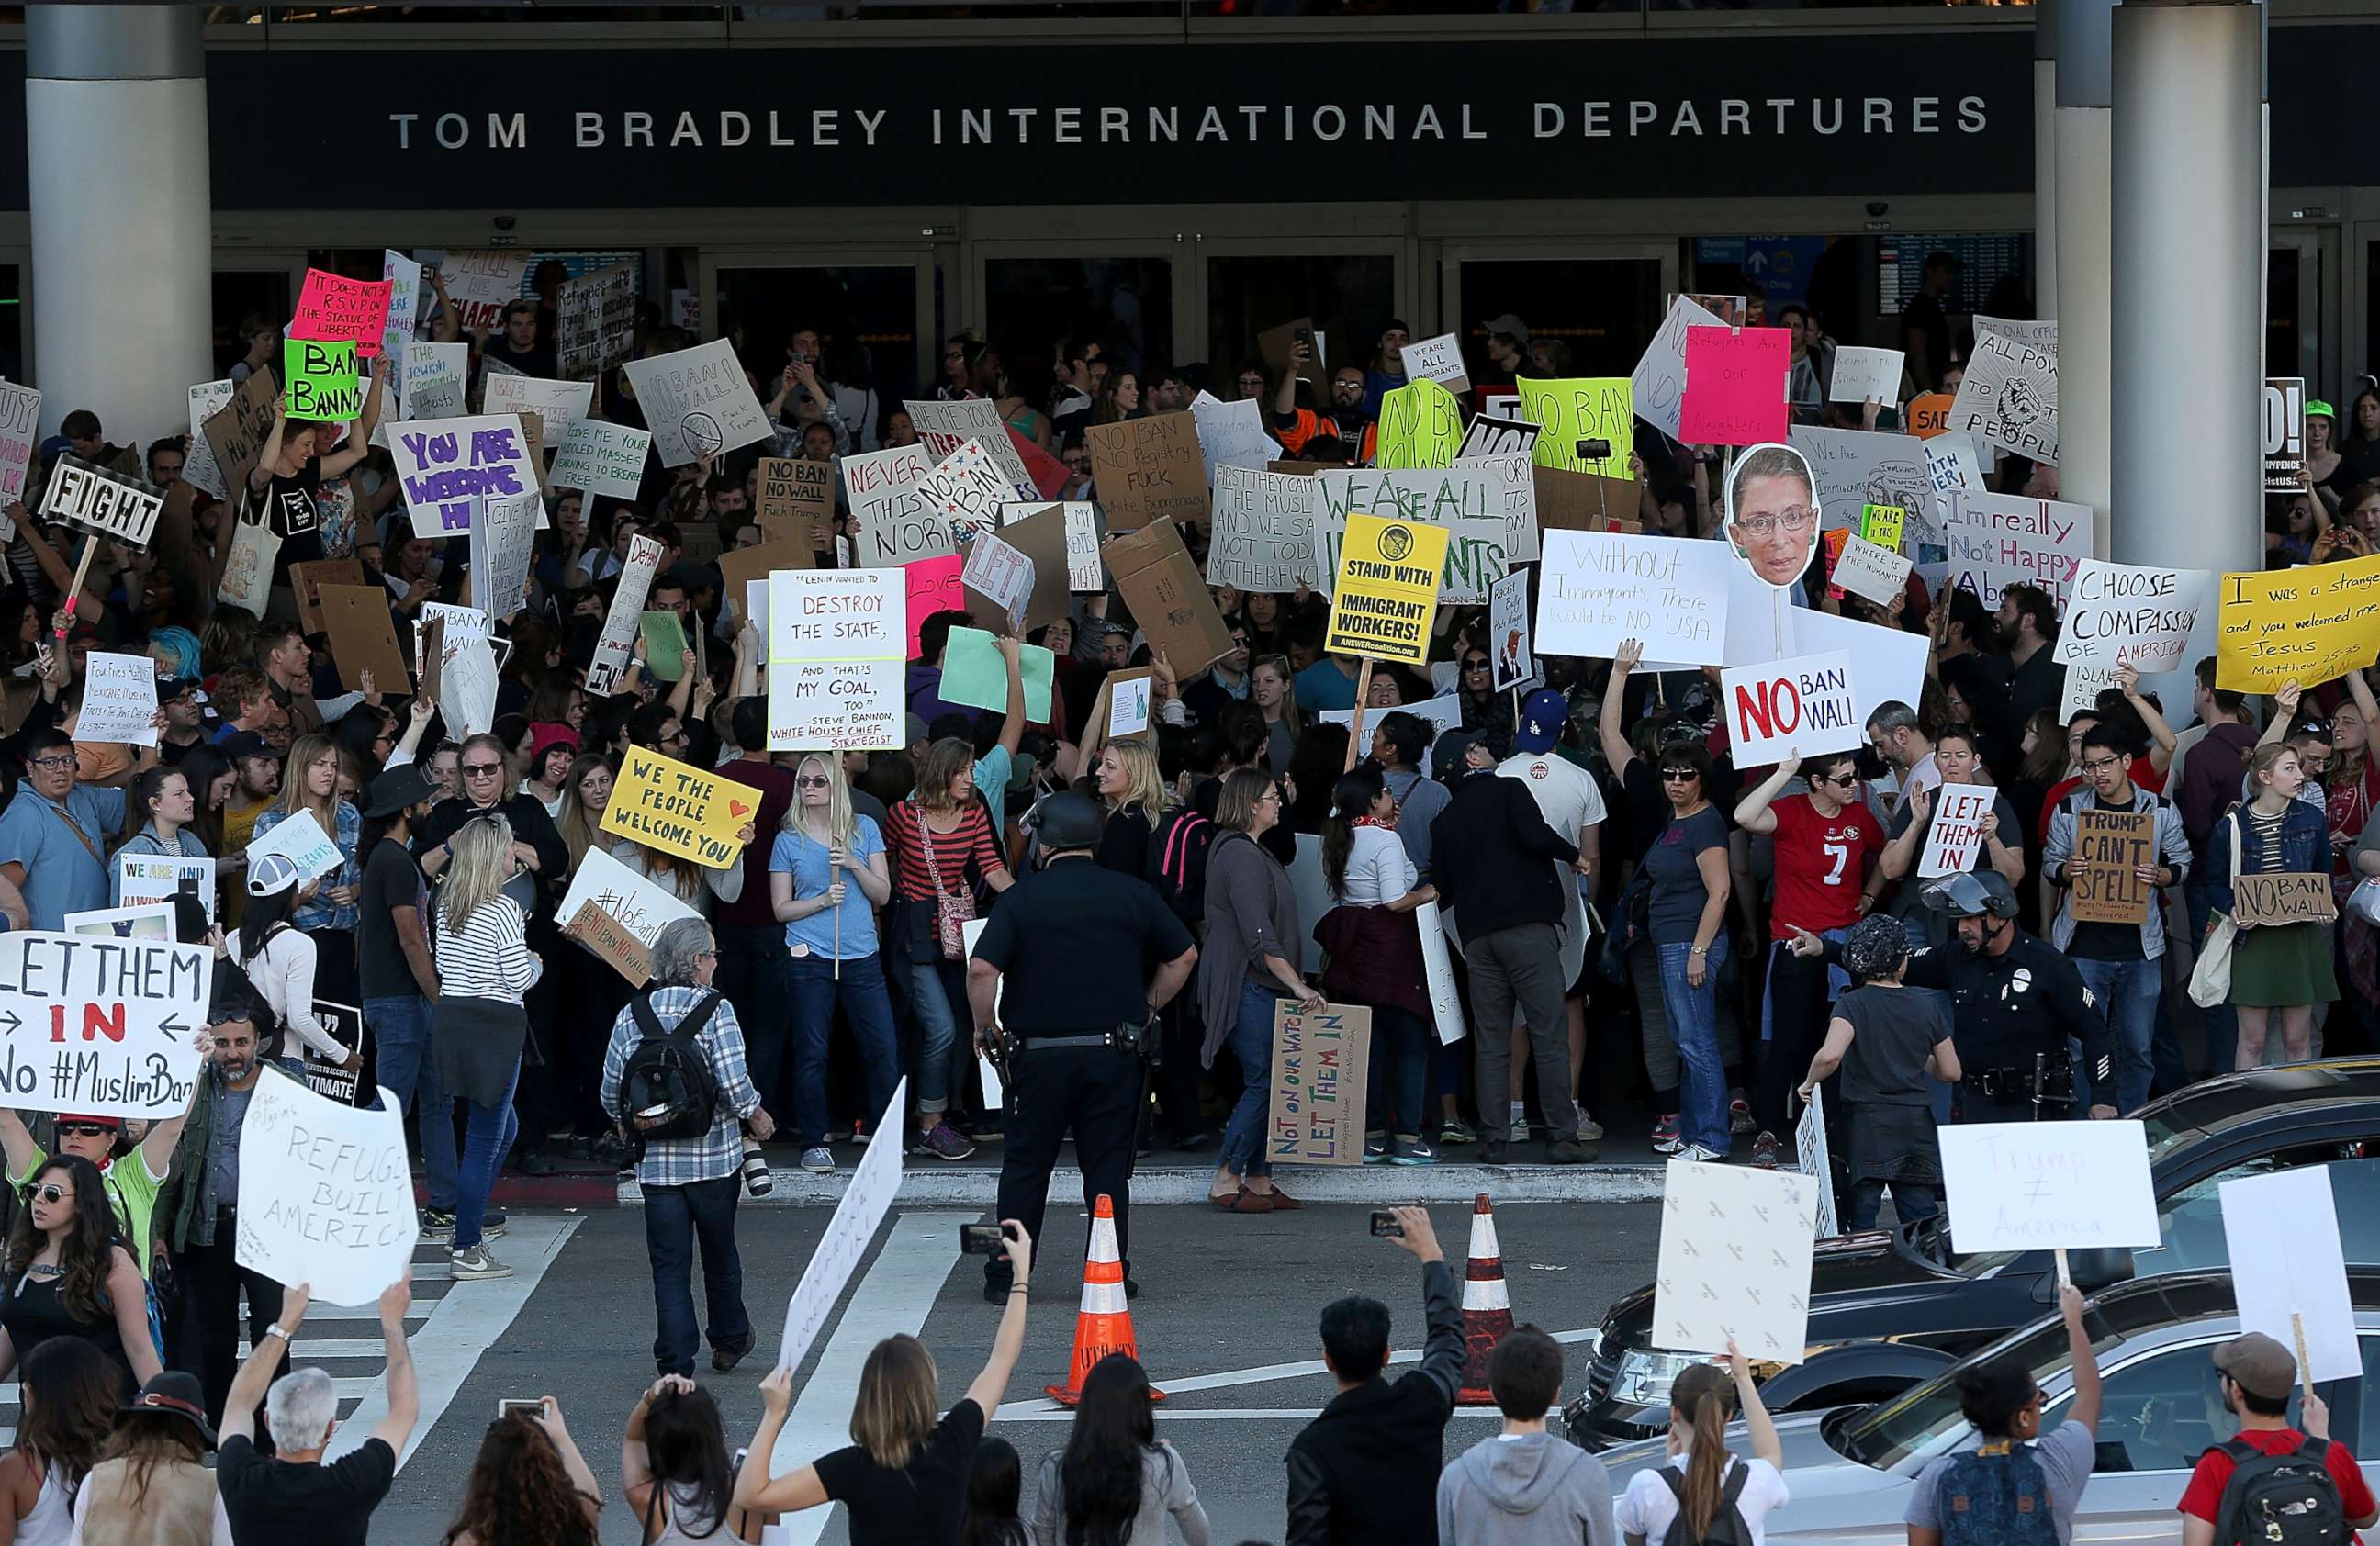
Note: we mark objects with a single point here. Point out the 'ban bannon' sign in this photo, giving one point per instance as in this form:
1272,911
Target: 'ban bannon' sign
104,1025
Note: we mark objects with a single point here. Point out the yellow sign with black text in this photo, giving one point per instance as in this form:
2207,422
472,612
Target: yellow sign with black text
1387,591
678,810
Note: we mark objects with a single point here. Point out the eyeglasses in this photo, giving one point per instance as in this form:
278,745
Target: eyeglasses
84,1129
2103,765
482,769
1792,522
810,780
1846,779
1678,774
53,763
50,1192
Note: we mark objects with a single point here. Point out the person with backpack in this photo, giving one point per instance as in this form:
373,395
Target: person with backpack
675,1079
1704,1496
1151,837
2271,1482
2016,1486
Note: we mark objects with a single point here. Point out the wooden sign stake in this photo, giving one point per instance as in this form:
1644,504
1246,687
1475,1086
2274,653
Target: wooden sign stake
1356,726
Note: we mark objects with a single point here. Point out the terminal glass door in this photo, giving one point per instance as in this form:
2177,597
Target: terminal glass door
1592,307
873,312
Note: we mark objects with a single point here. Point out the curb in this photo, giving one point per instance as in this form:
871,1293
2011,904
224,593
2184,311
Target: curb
1377,1185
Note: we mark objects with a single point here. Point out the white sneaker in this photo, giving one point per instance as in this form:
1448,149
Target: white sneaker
818,1160
1697,1153
1589,1129
464,1266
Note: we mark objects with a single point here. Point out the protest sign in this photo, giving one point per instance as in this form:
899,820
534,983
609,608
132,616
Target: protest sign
974,674
1950,463
1274,347
2309,625
1507,631
2289,1273
199,467
119,700
325,1194
1797,708
1955,837
603,459
1569,413
403,276
1996,540
1440,715
1467,502
1928,413
143,879
595,322
1231,434
2282,898
435,377
1438,970
1659,382
100,1024
1855,468
556,405
697,401
875,1181
299,839
665,644
362,637
2284,431
1385,589
678,810
1518,477
1160,585
236,433
334,309
443,464
1438,359
467,687
502,536
2042,332
325,382
1086,570
1864,375
2042,1186
1321,1067
20,426
1039,533
1489,436
1421,426
147,921
890,520
942,428
932,586
637,908
1888,664
1734,1262
2110,850
614,644
1585,501
2083,685
1768,490
344,1023
797,500
1148,469
1002,575
1811,1159
1127,707
2009,396
123,509
2130,615
1869,570
1735,386
964,492
1599,589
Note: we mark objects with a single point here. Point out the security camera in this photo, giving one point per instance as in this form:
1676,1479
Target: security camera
1878,207
506,223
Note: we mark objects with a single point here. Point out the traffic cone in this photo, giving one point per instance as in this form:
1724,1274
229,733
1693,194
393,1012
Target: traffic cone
1486,1309
1104,1325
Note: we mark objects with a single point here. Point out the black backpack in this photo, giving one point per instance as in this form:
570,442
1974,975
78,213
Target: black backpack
667,1094
2280,1500
1176,865
1726,1526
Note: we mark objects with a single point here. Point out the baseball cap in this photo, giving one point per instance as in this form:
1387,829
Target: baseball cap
272,875
1542,717
2317,408
246,743
2258,1365
1507,323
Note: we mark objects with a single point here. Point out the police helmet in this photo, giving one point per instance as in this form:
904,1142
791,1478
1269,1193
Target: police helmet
1067,820
1972,895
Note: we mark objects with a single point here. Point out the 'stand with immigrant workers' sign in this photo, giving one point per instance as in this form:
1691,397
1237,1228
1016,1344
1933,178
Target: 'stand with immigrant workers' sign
1387,591
123,508
674,809
98,1024
325,1195
1796,707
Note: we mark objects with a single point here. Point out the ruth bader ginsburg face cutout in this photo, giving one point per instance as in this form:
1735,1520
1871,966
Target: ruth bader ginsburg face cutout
1772,513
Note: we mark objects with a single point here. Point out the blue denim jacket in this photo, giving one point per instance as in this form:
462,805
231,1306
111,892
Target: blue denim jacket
2305,849
318,913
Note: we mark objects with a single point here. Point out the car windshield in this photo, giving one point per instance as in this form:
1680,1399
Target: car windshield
1930,1237
1924,1421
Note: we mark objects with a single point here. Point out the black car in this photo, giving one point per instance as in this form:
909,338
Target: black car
1888,1307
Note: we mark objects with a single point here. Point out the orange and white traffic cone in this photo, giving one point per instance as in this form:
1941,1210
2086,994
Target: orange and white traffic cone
1104,1325
1486,1309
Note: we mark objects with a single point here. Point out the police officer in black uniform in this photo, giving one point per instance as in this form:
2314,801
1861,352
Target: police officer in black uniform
2015,1004
1078,960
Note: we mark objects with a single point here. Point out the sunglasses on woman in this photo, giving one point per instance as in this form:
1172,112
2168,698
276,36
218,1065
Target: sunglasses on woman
810,780
1678,774
40,1191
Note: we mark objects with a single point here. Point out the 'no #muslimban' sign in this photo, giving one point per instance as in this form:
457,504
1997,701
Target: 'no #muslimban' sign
103,1025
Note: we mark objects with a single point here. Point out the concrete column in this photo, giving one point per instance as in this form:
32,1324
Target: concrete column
2085,472
115,144
2045,158
2189,330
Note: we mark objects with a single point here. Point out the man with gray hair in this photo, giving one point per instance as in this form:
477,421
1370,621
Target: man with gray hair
676,1082
294,1495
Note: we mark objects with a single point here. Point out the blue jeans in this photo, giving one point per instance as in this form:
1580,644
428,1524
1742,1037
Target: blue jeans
751,974
677,1221
938,1029
488,1134
2127,992
814,991
1401,1044
1694,1024
1251,1042
400,1025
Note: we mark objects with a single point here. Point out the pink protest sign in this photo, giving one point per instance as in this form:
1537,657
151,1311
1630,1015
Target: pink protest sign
933,587
337,310
1735,386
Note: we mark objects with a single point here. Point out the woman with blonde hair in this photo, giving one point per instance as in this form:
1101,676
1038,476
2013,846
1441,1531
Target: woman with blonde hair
2278,970
827,876
1701,1481
1134,794
480,1024
903,1478
1272,687
586,790
329,916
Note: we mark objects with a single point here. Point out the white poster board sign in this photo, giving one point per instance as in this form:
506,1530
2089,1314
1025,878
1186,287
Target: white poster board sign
1438,359
119,700
199,468
891,521
603,459
837,638
1659,381
1863,374
1231,434
1262,535
20,421
1811,1160
1797,708
2083,685
300,838
632,901
1950,463
1856,468
1438,714
1956,835
613,646
141,878
1513,471
104,1025
1736,1245
1599,589
2128,614
2288,1269
942,428
1514,665
2035,1185
556,405
325,1194
1869,571
1437,964
2009,396
144,921
446,465
697,401
1996,540
875,1181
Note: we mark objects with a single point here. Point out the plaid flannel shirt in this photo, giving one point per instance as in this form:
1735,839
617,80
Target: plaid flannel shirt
717,1153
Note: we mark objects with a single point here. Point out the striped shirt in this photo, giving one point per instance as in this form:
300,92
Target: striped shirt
716,1153
972,842
488,956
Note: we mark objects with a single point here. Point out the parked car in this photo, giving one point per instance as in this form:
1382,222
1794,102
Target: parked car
1889,1308
1849,1470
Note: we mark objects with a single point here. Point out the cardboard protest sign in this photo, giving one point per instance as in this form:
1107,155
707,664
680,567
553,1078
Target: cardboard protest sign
931,585
698,401
595,322
1421,426
1950,464
144,878
2308,625
2130,615
875,1182
836,659
1231,434
1954,840
2288,1272
1855,468
1274,347
555,405
344,1025
2284,434
334,309
965,491
1735,1263
1321,1065
1385,589
443,465
2042,1186
1507,631
1861,375
1735,386
974,674
2009,396
2110,848
891,522
1148,469
1869,570
1996,540
603,459
306,580
678,810
1490,436
236,433
114,506
299,839
20,426
119,700
2282,898
101,1024
1584,501
1811,1160
942,428
1155,576
1659,383
1438,359
1002,575
797,500
325,1194
435,377
1771,513
635,908
613,646
1042,534
1599,589
1797,708
362,637
1569,413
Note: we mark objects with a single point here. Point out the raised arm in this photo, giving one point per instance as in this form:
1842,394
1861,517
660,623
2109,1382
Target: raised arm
1758,1423
1616,750
2085,1409
1012,727
1899,855
1751,812
403,1386
2285,708
2161,736
248,1386
1009,1342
